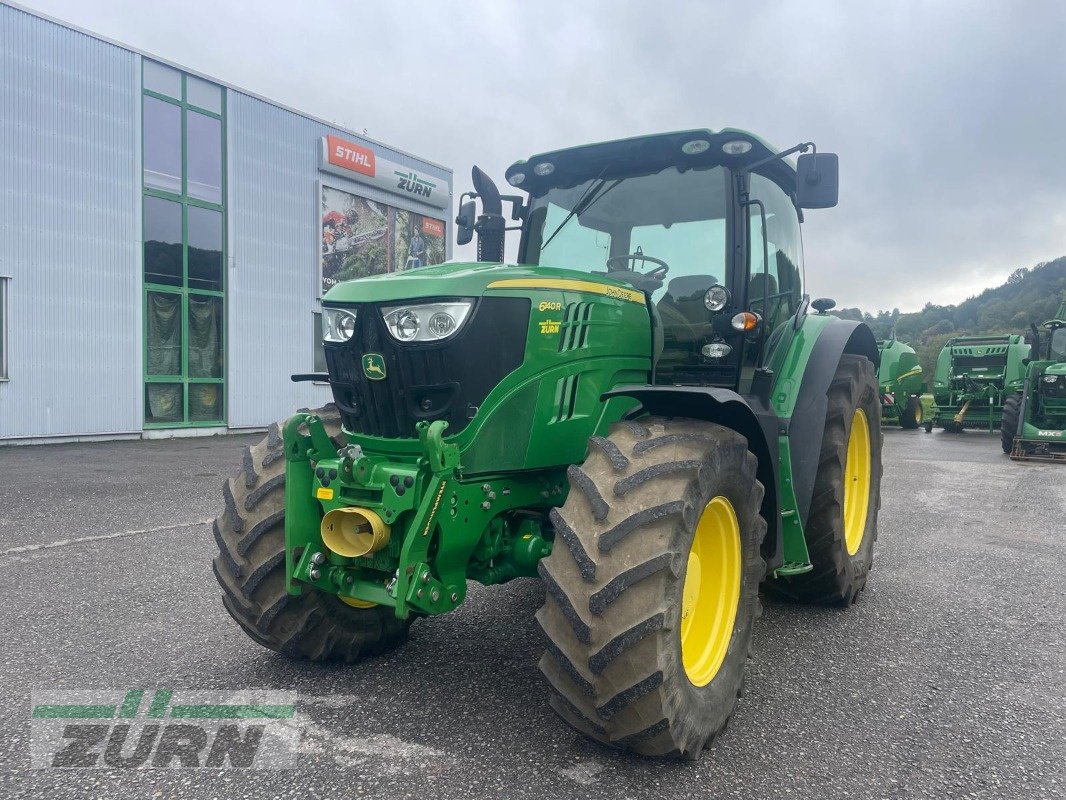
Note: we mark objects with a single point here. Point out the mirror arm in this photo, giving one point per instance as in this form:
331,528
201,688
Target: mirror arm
803,147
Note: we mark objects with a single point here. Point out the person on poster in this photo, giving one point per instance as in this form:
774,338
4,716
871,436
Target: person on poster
417,250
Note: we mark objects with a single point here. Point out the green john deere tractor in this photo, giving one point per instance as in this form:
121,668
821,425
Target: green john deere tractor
1034,419
902,387
974,376
644,410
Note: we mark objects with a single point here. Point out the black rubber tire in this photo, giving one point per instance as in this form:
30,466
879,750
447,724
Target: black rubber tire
615,577
250,568
1008,425
913,414
839,578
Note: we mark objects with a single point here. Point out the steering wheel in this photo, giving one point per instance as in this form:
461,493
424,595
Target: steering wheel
656,274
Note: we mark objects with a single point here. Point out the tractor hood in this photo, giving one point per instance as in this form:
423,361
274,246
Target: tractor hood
1056,369
470,280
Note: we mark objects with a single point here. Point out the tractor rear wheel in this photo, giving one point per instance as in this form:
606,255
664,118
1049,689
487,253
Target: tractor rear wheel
913,414
842,522
1008,425
250,568
652,586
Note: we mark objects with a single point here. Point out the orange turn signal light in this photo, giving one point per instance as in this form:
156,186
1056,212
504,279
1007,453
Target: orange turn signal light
745,321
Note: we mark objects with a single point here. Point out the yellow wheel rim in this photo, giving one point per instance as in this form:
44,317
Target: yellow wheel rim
355,602
919,414
711,593
857,482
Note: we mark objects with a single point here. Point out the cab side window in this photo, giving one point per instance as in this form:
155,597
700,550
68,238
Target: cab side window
778,287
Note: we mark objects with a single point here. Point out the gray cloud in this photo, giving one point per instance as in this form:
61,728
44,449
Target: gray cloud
948,117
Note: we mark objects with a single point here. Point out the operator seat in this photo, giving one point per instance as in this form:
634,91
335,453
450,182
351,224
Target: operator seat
755,293
681,309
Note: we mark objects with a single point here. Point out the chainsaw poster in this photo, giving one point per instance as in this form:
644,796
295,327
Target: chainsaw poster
361,237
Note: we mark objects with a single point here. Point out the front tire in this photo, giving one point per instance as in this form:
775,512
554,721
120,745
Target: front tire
652,586
250,568
1008,425
842,523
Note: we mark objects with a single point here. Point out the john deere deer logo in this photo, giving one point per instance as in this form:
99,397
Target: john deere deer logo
374,366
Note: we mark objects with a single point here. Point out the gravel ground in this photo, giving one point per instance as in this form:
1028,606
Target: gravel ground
946,680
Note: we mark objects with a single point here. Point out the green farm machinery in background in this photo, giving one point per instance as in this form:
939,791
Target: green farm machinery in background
902,384
974,377
1034,419
645,411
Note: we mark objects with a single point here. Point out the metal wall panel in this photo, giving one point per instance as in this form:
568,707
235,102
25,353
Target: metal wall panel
69,230
273,215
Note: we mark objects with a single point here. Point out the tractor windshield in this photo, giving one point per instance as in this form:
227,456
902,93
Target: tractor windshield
677,219
1058,345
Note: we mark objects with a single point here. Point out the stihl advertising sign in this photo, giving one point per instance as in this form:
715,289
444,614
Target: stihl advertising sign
361,163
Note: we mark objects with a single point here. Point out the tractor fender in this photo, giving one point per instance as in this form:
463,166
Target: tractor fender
750,416
806,425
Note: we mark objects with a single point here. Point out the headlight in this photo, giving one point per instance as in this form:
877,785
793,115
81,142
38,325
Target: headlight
716,350
338,324
426,323
1050,378
716,298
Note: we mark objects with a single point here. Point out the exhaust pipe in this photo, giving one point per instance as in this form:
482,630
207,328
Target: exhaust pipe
353,532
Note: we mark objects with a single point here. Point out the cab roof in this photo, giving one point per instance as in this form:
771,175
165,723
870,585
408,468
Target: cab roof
642,155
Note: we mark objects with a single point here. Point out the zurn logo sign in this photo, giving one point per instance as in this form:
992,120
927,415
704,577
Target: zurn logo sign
139,728
413,184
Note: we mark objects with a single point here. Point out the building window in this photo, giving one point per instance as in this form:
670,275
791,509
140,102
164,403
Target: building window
3,327
184,249
162,145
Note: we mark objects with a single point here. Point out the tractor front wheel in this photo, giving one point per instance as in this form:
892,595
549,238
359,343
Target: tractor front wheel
1008,425
842,522
250,568
913,414
652,586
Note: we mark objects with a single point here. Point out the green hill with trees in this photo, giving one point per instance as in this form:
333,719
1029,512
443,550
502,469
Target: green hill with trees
1031,294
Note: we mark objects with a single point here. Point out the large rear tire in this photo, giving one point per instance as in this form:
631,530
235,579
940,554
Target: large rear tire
652,586
1008,425
842,524
250,568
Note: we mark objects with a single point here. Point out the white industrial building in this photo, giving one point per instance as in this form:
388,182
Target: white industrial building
165,239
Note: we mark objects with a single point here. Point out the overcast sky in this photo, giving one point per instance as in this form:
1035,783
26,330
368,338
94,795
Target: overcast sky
949,117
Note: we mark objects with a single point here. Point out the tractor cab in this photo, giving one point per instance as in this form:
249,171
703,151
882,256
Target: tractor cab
704,224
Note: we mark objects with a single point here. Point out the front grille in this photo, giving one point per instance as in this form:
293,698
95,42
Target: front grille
426,381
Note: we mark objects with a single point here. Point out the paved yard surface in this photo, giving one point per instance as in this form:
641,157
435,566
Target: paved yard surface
947,680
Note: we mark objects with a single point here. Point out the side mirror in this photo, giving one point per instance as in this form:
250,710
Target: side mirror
817,180
465,222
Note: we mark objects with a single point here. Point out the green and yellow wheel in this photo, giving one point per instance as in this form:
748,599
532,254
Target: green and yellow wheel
842,523
913,415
